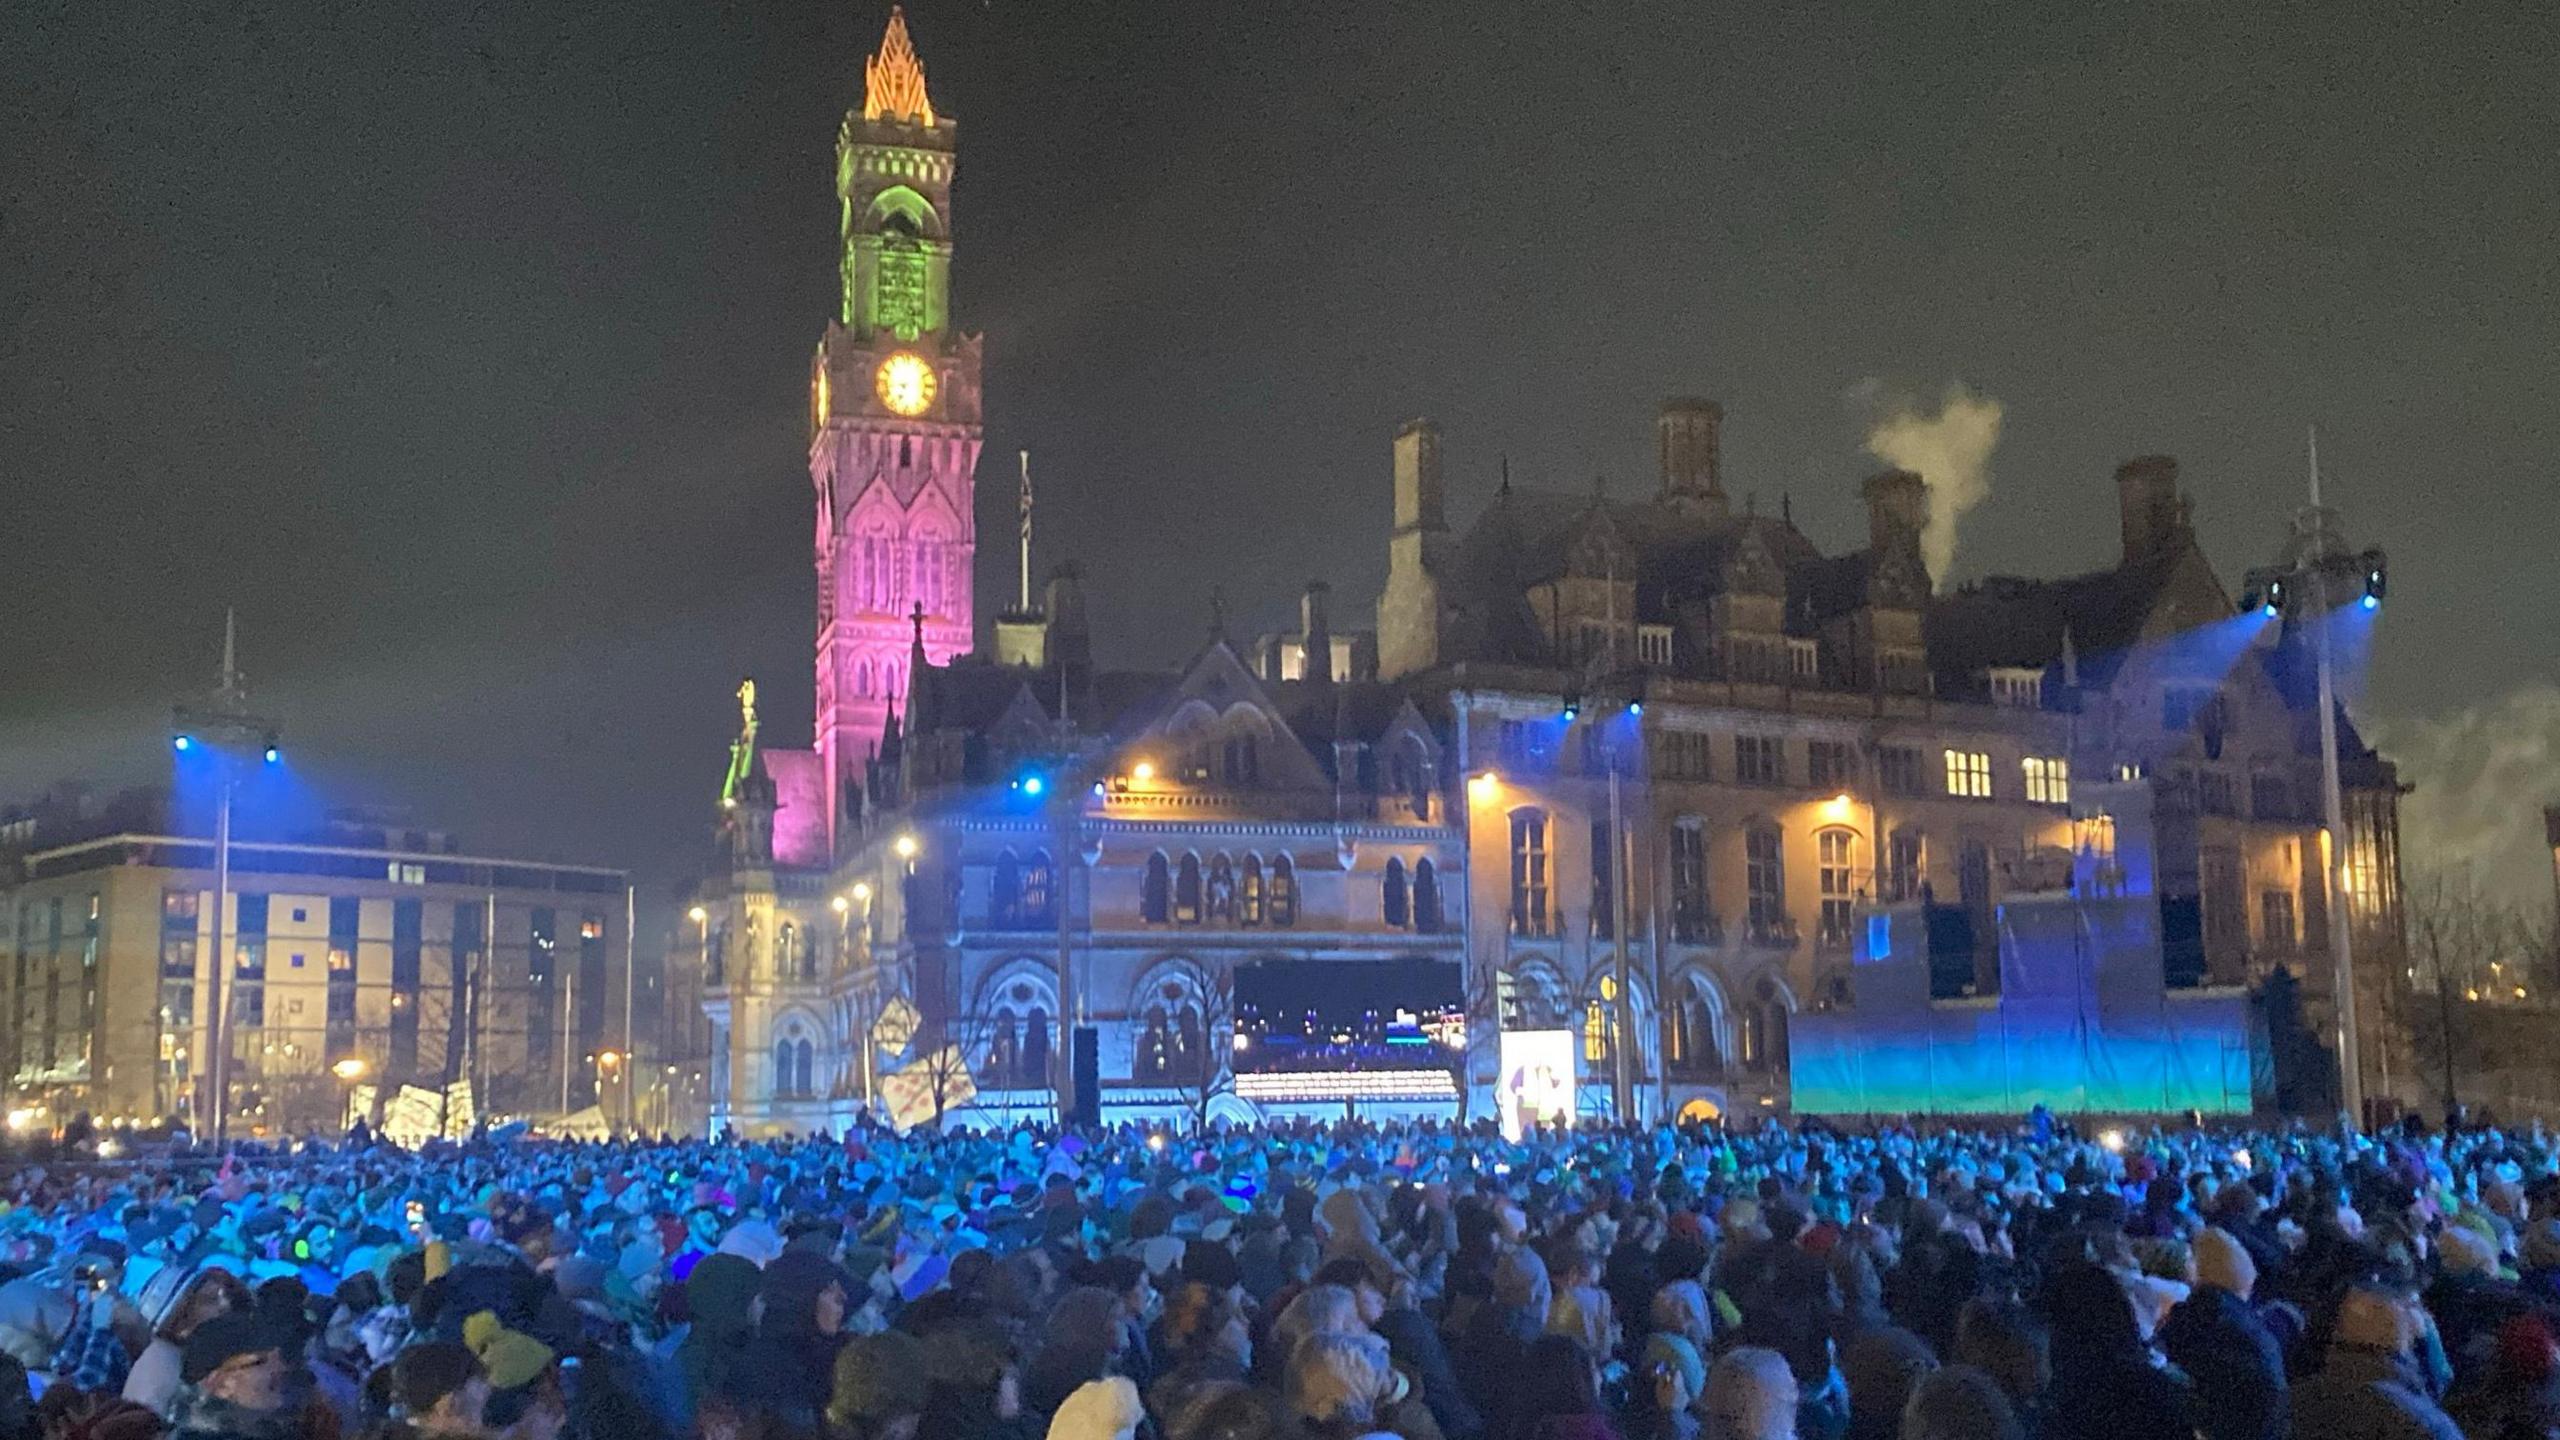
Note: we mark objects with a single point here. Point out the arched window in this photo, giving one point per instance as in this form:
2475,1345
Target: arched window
1284,891
1241,761
1764,1029
1426,897
862,679
1004,1049
1249,891
1396,901
783,1055
1410,774
1692,1035
1038,888
1186,892
1172,1046
1004,893
1035,1047
805,1072
1600,1021
1155,893
1221,899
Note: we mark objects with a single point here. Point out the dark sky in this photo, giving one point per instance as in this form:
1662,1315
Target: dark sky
462,346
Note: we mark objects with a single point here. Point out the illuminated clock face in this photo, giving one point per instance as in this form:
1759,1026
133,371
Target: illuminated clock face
905,383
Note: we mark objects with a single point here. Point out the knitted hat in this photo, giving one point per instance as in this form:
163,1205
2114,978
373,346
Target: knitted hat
2223,1262
1105,1409
222,1339
512,1358
877,1377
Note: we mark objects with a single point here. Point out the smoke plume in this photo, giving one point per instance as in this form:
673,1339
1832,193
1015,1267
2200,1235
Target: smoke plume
2482,775
1950,449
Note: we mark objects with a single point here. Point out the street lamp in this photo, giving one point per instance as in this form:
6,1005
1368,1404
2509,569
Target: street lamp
2316,577
228,732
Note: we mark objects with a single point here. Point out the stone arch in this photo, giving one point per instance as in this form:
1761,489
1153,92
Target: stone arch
1699,1025
1017,1007
903,204
800,1052
1170,1024
1595,1019
1760,1038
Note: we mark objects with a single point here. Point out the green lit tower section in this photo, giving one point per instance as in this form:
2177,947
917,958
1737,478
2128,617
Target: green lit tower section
894,421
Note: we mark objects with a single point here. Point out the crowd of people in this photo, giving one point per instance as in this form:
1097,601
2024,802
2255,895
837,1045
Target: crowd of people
1298,1283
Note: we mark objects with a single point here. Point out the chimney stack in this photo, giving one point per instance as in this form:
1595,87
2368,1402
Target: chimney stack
1690,434
2151,511
1421,502
1315,631
1897,509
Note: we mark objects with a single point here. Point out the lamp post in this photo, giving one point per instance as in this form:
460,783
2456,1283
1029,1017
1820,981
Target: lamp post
2315,579
351,1070
225,732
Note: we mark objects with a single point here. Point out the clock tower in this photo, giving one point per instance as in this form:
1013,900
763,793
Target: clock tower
894,420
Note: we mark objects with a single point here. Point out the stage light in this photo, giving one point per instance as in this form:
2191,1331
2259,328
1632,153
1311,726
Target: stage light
1143,771
184,743
2372,602
274,754
1032,784
2112,1138
1635,707
1572,706
906,847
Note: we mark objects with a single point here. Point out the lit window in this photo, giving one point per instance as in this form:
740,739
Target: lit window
1969,774
2021,688
1804,661
1653,645
2048,780
1765,884
1600,1021
1837,851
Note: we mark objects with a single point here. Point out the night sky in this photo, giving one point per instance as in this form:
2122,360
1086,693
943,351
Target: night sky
463,346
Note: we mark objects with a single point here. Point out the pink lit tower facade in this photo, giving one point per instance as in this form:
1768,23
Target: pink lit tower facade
894,422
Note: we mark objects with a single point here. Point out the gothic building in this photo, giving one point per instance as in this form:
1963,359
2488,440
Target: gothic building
1635,768
1798,739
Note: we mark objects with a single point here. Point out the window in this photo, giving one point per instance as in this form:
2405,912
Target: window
1682,755
1902,866
1004,893
1690,920
1969,774
1528,872
1284,890
1765,883
1691,1035
1249,909
2048,780
1827,764
405,874
1155,892
1241,758
1653,646
1898,766
1426,897
1600,1022
1804,661
1037,889
1396,900
2276,929
1221,900
1604,893
1764,1029
2021,688
1759,760
1186,892
1836,853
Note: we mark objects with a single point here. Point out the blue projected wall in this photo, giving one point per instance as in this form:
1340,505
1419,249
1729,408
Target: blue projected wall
2082,1023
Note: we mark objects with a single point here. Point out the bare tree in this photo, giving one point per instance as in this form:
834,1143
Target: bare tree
1211,1073
2471,965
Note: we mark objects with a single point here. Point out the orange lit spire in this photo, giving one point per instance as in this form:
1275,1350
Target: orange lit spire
893,80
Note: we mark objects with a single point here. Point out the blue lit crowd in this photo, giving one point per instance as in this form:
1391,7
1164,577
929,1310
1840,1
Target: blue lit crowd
1297,1283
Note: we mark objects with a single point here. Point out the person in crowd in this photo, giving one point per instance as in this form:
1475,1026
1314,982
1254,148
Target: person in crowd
2105,1384
2372,1384
2217,1338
